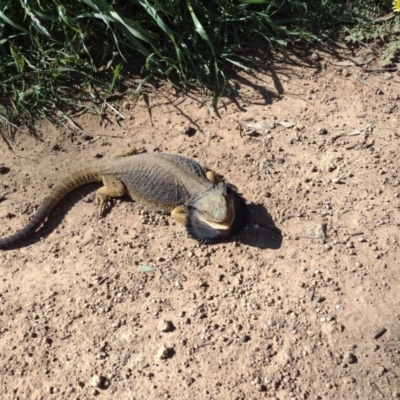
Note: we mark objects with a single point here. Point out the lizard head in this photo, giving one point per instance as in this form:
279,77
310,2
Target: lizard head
215,214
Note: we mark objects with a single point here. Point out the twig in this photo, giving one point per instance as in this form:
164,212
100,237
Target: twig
380,69
205,344
180,101
147,101
14,126
112,136
365,82
94,140
112,108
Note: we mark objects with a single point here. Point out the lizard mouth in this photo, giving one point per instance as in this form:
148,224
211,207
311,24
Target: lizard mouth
224,225
205,229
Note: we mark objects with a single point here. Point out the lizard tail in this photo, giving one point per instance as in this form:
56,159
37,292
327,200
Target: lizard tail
57,192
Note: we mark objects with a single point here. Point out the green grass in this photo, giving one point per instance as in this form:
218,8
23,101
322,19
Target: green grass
59,57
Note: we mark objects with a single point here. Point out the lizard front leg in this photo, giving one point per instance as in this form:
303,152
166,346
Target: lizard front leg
113,187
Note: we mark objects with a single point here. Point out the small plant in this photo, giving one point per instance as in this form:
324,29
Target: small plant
378,31
59,57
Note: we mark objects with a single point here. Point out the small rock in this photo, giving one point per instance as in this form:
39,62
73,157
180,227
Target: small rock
85,136
380,332
349,358
244,338
112,389
4,170
322,131
349,379
69,390
381,369
314,230
309,347
260,387
188,130
162,353
165,326
315,57
95,381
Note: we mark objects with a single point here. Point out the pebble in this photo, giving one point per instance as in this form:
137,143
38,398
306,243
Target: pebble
322,131
380,332
188,130
244,338
112,389
349,358
162,353
69,390
349,379
165,326
95,381
260,387
4,170
271,322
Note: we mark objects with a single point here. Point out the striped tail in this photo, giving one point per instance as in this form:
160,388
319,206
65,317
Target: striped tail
69,183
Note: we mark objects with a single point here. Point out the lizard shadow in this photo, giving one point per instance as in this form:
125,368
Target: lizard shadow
58,215
261,231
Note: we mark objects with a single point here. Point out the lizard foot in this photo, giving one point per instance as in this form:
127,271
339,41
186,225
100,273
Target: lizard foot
179,214
213,177
113,187
103,201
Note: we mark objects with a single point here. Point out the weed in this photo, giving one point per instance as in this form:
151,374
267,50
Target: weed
58,57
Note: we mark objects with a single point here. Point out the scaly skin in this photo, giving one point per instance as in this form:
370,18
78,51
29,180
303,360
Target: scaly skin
165,182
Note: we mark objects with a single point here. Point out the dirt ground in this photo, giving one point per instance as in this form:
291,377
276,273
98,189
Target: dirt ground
304,304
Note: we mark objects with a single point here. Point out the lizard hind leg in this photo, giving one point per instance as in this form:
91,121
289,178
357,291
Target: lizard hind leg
113,187
179,214
213,177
